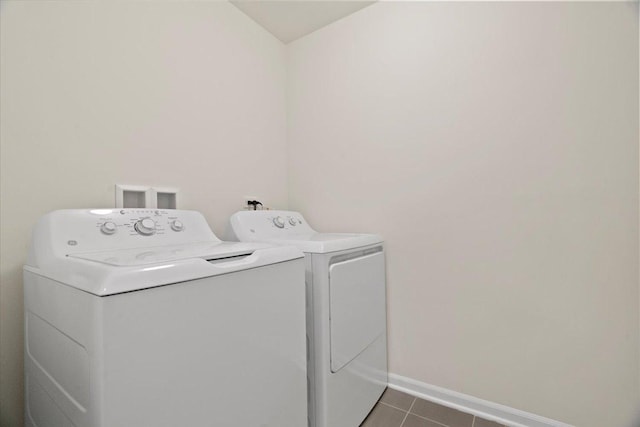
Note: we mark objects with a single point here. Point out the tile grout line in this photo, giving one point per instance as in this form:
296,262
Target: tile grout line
429,419
408,411
394,407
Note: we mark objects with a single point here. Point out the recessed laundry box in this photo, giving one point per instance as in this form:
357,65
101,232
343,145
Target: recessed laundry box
140,318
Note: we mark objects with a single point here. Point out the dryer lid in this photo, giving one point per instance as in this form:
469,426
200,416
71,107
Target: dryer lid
290,228
320,243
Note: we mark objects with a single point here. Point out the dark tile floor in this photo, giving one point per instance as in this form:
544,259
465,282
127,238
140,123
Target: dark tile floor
397,409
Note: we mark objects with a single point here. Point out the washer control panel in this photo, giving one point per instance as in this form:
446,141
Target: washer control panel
109,227
145,226
279,222
177,225
143,222
76,231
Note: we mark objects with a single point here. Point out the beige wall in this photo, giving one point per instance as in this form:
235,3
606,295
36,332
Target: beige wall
495,146
97,93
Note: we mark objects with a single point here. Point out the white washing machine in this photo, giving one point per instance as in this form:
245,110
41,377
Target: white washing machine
346,312
144,318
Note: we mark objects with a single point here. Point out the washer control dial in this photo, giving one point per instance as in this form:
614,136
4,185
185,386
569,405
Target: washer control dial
278,222
145,226
177,225
292,221
109,228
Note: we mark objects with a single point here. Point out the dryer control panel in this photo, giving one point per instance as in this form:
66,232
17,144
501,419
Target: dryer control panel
268,224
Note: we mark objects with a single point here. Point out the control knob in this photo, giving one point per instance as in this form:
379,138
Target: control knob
292,221
109,228
278,222
145,226
177,225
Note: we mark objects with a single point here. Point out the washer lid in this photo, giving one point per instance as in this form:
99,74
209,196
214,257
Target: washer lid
110,273
152,255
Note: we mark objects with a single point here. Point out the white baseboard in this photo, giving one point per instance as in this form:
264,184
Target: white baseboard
462,402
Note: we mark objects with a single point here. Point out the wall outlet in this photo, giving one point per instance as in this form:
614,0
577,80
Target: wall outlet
246,199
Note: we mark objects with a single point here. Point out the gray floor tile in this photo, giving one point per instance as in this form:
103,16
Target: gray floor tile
442,414
481,422
397,398
384,416
415,421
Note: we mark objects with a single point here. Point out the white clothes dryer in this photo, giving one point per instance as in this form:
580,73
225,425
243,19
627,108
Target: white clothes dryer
144,318
346,312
